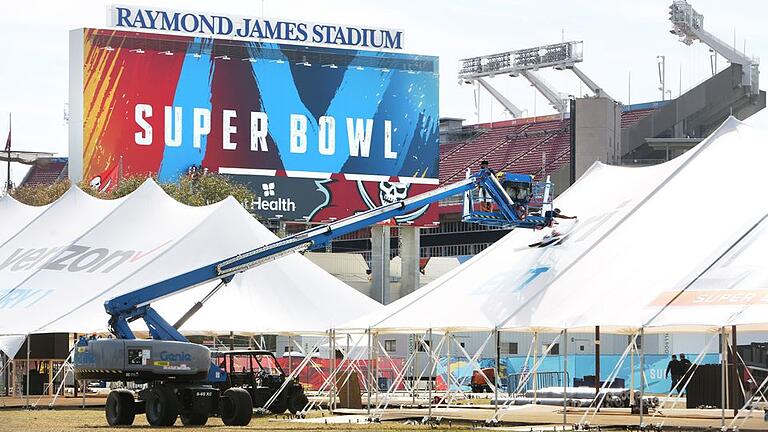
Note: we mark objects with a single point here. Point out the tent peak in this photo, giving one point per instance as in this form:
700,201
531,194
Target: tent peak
732,121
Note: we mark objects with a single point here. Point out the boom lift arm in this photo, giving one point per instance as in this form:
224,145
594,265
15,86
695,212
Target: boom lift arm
183,380
136,305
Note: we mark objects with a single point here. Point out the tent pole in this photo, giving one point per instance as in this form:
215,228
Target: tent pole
2,360
535,355
497,343
399,378
631,371
597,361
290,357
448,376
723,350
413,370
74,381
50,377
351,362
27,383
376,366
641,353
431,371
332,358
370,370
565,377
734,371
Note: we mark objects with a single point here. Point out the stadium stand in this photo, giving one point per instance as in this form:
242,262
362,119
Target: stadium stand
46,171
537,146
631,117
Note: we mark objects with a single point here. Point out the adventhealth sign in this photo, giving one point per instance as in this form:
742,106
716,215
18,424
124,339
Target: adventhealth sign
264,30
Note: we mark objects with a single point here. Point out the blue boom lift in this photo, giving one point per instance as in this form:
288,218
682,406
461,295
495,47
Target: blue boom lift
180,376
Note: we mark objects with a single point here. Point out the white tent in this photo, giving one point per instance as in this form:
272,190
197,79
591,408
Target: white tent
289,296
58,271
641,232
683,227
15,216
733,291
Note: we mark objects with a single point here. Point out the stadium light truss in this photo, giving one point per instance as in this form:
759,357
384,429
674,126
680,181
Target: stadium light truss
527,62
688,25
561,56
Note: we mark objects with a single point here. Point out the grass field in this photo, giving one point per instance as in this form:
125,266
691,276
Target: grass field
92,420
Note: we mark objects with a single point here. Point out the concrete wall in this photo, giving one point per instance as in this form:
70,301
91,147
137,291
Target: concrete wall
598,132
697,112
561,179
410,242
380,250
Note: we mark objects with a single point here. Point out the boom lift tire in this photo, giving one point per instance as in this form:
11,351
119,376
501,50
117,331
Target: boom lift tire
194,419
236,407
161,406
120,409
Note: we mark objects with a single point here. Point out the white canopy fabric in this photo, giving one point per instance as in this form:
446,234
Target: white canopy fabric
289,296
15,216
10,345
696,216
57,272
641,232
733,291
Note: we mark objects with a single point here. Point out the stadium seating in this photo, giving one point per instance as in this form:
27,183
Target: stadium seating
536,148
46,171
629,118
528,146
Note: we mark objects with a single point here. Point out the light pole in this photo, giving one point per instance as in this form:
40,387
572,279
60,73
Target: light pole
661,63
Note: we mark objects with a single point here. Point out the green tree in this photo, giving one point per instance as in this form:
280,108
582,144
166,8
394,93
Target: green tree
39,195
194,190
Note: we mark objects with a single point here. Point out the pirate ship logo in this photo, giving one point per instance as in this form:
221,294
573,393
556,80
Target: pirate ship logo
389,193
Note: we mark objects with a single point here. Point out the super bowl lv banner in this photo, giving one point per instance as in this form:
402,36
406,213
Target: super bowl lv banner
316,132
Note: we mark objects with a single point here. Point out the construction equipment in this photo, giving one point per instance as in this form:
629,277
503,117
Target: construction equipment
259,373
180,376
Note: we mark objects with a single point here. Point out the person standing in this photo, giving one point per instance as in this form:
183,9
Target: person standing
486,202
673,369
685,372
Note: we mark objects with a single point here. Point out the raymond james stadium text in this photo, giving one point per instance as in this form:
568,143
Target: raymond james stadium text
255,28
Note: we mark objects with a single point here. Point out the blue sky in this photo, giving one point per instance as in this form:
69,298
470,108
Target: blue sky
621,37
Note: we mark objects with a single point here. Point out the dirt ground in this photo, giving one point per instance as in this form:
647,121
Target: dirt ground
92,420
529,418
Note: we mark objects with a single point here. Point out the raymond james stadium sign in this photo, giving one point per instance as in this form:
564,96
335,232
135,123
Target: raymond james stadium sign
254,28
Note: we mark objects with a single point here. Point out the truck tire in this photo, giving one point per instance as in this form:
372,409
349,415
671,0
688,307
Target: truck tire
161,407
120,408
297,402
279,405
236,407
194,419
260,396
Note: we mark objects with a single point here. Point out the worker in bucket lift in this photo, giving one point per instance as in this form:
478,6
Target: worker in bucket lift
486,202
553,215
554,236
558,214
